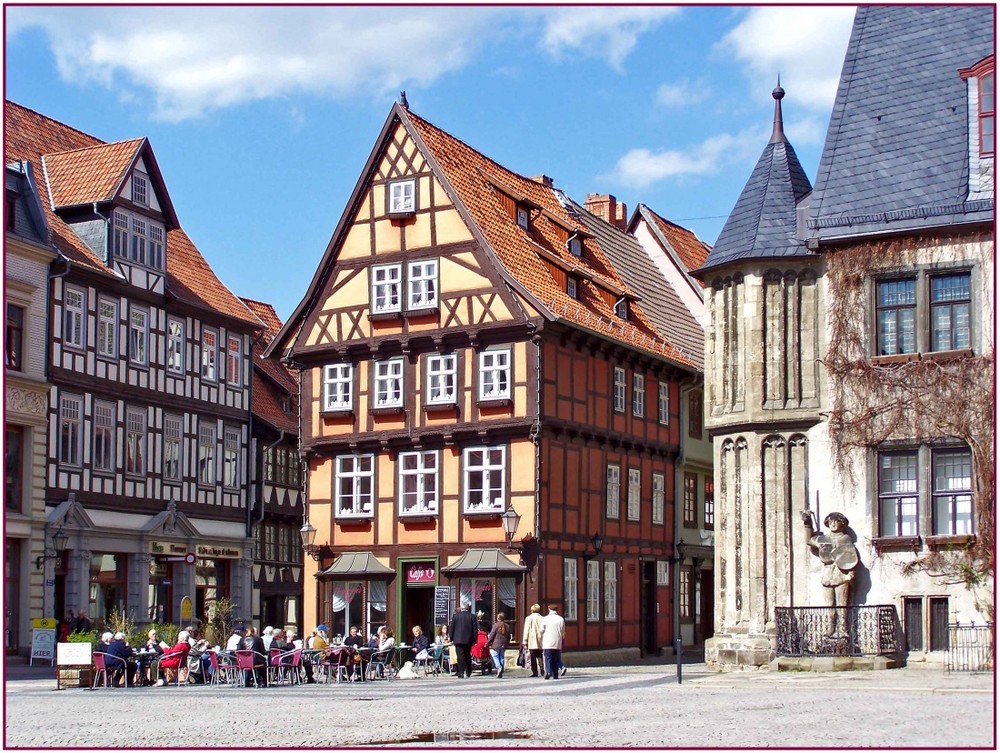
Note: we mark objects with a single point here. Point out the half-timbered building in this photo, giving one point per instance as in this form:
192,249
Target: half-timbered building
469,360
149,415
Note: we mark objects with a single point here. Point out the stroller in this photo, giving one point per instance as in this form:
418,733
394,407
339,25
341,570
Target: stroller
481,658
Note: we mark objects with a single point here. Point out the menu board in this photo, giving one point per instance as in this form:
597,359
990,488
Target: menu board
73,654
443,604
43,645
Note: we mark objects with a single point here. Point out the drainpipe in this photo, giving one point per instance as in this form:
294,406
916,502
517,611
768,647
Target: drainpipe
60,259
536,430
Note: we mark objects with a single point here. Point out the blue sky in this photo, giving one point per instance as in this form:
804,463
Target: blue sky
261,118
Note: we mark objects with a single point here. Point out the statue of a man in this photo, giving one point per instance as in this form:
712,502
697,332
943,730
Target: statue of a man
839,557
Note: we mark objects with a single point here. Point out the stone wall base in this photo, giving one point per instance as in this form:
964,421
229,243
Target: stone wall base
738,652
834,663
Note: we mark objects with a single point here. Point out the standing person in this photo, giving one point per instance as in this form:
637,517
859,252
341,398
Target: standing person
66,626
531,639
463,631
553,631
498,640
82,624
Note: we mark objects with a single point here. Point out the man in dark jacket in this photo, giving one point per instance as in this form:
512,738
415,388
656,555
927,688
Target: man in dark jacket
464,631
116,660
253,642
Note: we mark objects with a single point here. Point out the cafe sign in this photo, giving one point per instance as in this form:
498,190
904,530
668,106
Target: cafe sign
167,548
420,572
218,551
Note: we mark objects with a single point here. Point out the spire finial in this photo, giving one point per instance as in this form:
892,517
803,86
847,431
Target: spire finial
402,100
778,133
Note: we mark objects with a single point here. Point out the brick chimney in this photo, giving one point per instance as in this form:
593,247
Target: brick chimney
606,206
545,180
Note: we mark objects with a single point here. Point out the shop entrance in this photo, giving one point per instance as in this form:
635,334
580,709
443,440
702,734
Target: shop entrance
418,609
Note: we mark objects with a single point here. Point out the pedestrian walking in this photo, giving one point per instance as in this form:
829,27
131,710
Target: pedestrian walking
463,631
553,632
531,640
498,640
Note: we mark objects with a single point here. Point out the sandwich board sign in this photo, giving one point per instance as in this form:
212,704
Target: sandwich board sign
43,641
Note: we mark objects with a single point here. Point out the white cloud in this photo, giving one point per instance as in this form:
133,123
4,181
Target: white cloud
682,93
806,45
607,32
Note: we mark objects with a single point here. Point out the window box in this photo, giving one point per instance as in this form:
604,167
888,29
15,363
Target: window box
386,410
422,312
384,316
896,543
949,355
441,408
495,402
337,413
894,360
960,541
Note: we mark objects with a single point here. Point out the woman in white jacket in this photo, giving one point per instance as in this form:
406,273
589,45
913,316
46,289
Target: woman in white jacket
531,639
553,630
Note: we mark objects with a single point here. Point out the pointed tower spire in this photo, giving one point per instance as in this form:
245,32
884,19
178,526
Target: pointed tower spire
778,134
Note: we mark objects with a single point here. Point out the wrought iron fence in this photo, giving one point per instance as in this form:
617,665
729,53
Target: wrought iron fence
970,647
863,630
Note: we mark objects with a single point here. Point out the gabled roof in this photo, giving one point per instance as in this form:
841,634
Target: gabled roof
88,175
686,247
764,222
32,137
277,386
897,150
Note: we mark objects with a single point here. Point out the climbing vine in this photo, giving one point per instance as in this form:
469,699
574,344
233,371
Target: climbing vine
929,397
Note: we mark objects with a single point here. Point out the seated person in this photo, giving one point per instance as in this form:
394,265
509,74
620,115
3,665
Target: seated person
253,642
307,665
174,661
420,641
354,638
388,640
116,661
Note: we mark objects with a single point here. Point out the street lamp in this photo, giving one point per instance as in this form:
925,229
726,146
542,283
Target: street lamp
596,541
510,520
308,535
59,540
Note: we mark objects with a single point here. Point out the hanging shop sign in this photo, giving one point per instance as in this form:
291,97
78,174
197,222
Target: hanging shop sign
420,572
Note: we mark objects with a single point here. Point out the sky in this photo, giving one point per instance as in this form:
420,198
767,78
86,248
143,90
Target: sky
262,117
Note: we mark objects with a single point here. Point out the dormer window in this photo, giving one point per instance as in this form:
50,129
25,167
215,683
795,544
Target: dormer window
403,196
571,287
987,115
522,217
139,189
621,309
576,247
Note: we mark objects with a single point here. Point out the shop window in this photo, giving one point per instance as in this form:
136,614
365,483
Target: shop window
211,582
347,603
108,585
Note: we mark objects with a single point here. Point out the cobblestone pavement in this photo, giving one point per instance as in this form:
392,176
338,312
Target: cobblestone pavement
590,707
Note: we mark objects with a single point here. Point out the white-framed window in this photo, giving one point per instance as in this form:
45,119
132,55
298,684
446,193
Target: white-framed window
155,255
121,235
593,582
638,395
139,189
618,387
403,196
634,491
621,310
172,457
485,479
659,494
354,486
494,374
389,383
522,217
234,360
74,318
209,354
576,247
422,284
662,573
138,254
442,377
571,287
107,328
386,283
663,403
614,489
70,422
610,590
231,457
175,346
569,589
338,386
418,482
138,336
135,442
104,436
206,454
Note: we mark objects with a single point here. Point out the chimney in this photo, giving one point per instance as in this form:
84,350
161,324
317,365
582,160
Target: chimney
606,206
545,180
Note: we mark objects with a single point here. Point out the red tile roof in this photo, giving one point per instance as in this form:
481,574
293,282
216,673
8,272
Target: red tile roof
88,175
279,385
30,136
691,251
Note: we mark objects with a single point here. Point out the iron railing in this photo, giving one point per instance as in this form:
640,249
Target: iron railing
863,630
970,647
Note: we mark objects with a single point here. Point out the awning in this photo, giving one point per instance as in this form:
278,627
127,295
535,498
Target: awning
353,565
484,560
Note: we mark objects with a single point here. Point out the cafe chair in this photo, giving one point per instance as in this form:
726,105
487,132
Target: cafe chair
249,662
380,665
224,670
181,665
284,665
341,663
430,659
100,670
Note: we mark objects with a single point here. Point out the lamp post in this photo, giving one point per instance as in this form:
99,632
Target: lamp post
59,540
510,520
596,541
308,535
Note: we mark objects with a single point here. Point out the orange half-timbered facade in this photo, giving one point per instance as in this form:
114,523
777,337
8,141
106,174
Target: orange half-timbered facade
467,352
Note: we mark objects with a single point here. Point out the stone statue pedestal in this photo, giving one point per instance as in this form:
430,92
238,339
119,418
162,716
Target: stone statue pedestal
733,650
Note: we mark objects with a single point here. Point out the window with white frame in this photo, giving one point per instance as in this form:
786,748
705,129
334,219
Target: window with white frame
338,386
663,403
403,196
576,247
571,290
522,217
418,482
74,316
209,354
619,389
121,235
659,493
107,328
485,471
138,336
354,485
234,360
684,594
175,346
231,458
135,442
634,491
104,436
662,573
70,422
138,254
494,374
709,503
569,588
155,255
206,454
386,282
897,487
610,590
172,458
638,395
442,377
422,284
614,489
139,188
389,383
621,309
593,581
953,514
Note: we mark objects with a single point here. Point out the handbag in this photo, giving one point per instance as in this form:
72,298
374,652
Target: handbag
521,657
